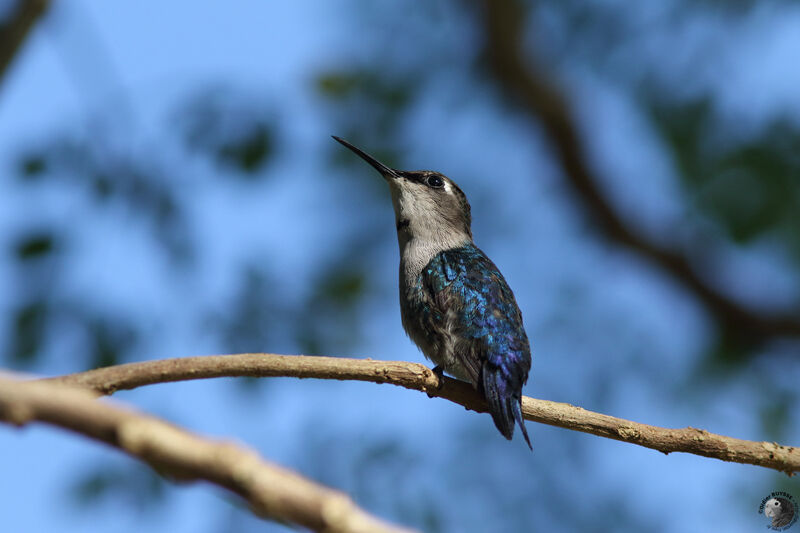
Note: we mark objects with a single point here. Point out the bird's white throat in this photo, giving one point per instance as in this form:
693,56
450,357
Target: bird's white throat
422,229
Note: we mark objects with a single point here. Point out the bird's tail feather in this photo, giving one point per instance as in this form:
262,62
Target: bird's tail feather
505,405
517,407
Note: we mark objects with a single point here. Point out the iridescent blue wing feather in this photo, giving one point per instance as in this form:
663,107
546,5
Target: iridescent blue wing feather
473,311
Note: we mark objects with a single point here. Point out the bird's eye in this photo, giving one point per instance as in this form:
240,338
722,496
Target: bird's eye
435,181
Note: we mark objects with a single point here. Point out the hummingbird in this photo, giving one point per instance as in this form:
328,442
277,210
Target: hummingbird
454,303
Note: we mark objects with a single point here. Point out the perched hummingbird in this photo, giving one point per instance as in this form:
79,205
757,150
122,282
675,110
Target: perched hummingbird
454,302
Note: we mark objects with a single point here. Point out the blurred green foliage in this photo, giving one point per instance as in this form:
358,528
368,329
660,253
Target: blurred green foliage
111,177
28,329
368,104
262,317
32,166
335,299
749,184
35,246
138,487
36,253
231,129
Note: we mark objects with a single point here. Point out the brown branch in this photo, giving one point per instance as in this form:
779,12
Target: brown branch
418,377
271,491
543,101
14,31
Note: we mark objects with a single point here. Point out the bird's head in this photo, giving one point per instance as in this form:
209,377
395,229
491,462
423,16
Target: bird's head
428,206
772,508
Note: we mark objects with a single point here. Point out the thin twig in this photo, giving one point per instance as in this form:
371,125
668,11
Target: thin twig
419,377
537,95
272,491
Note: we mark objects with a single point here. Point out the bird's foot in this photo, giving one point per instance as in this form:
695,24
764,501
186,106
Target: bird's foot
439,371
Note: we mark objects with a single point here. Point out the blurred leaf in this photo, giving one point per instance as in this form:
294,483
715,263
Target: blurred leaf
430,517
732,7
114,177
260,318
684,128
250,152
775,415
35,246
748,187
35,276
102,186
28,331
337,85
341,289
110,341
757,187
381,473
729,352
135,485
256,317
366,85
369,102
330,316
231,128
32,166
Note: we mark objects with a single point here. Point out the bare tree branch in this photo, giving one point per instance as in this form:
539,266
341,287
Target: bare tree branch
418,377
271,491
14,31
543,101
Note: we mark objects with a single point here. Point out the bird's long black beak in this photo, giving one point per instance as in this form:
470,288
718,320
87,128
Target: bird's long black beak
386,172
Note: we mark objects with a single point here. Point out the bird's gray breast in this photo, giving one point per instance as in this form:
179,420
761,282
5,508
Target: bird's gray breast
424,322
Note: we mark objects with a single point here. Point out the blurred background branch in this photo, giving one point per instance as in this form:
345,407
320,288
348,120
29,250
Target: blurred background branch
271,491
15,29
545,102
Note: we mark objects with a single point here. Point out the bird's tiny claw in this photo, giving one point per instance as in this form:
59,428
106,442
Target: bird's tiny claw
439,371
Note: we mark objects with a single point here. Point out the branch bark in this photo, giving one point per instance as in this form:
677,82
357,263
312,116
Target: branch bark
543,101
271,490
14,31
419,377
